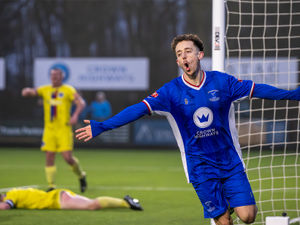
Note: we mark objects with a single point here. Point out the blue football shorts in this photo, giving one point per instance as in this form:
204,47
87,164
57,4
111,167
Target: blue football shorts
216,195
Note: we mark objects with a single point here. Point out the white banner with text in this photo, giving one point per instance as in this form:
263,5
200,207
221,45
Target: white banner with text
96,73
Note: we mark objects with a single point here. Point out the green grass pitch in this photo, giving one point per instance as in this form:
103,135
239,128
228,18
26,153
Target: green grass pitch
156,177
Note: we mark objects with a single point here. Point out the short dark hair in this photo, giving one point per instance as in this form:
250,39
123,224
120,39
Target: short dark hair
2,195
58,69
188,37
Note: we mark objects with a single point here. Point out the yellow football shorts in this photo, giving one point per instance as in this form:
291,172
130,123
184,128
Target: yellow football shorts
52,199
57,139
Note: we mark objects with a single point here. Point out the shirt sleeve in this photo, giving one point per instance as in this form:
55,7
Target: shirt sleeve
269,92
127,115
11,198
240,89
158,101
40,90
10,203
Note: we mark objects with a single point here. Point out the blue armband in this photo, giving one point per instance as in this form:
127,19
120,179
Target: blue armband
269,92
10,203
127,115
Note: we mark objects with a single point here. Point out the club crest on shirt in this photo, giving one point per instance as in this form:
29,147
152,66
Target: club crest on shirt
60,94
203,117
213,95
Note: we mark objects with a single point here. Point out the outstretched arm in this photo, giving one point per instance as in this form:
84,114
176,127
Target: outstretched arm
128,115
29,92
269,92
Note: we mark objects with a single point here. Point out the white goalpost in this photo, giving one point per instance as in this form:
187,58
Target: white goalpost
261,42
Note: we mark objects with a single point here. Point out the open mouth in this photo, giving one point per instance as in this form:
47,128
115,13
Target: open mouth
187,67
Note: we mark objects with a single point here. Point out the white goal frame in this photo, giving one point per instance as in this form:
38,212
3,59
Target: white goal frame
219,17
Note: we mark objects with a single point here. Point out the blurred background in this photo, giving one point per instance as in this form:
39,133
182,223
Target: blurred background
58,30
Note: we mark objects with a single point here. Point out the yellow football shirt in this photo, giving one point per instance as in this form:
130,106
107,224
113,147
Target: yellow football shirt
57,104
31,198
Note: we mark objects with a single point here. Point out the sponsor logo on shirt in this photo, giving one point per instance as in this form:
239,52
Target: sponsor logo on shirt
206,133
203,117
55,102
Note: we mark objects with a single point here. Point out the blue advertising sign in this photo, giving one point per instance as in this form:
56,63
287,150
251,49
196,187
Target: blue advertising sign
153,133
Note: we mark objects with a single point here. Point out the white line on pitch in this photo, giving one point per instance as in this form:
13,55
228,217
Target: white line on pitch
136,188
9,188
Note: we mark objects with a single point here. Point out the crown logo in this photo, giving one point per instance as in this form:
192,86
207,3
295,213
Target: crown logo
203,118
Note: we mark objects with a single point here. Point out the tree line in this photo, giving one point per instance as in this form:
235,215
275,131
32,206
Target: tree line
94,28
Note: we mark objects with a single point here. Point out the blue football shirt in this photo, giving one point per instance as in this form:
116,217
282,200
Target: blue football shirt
203,122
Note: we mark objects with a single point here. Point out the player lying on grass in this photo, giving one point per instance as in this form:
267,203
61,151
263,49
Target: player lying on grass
31,198
199,107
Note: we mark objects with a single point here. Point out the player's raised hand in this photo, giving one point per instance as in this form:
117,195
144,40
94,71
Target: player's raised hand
84,133
28,92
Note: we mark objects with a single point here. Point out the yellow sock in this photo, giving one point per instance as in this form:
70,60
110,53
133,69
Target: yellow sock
77,169
50,175
110,202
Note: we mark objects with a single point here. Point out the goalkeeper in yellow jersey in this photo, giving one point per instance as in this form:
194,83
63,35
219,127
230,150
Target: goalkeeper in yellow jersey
32,198
58,136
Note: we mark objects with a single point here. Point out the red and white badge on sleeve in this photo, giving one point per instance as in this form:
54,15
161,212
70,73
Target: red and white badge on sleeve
154,95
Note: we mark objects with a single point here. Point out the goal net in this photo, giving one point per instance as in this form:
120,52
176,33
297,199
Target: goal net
263,44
